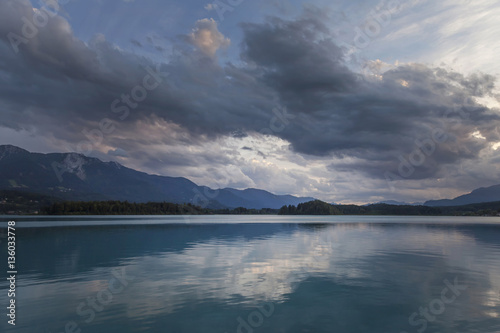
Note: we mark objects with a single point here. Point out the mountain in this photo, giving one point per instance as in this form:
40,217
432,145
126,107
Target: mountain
73,176
483,194
260,198
399,203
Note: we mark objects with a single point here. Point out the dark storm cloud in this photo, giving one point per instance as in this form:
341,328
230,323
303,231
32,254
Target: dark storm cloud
293,58
58,84
136,42
375,121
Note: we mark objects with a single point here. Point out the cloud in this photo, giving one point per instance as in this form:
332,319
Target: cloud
373,121
460,34
136,42
118,152
207,38
340,127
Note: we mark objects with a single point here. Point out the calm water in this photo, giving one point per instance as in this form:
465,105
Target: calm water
255,274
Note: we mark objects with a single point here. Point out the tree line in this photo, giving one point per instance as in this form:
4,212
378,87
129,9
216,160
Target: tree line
318,207
131,208
20,202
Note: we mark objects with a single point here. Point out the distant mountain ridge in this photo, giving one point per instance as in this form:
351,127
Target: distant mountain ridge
483,194
75,176
399,203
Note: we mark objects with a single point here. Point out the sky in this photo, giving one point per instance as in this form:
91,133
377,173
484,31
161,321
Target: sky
345,101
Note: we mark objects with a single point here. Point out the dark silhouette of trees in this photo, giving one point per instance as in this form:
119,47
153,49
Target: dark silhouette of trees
318,207
132,208
315,207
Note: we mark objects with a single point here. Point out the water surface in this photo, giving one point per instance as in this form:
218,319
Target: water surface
255,274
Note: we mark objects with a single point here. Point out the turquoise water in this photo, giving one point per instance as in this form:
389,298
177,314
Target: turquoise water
249,274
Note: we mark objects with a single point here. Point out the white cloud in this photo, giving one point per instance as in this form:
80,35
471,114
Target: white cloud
207,38
460,34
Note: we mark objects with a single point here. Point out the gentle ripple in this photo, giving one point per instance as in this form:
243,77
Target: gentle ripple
227,274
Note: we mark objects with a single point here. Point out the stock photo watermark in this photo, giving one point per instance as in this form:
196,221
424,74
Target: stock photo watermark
378,19
256,318
11,272
120,106
425,148
87,309
437,306
280,120
221,7
30,26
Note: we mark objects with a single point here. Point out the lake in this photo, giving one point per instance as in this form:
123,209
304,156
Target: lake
250,274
